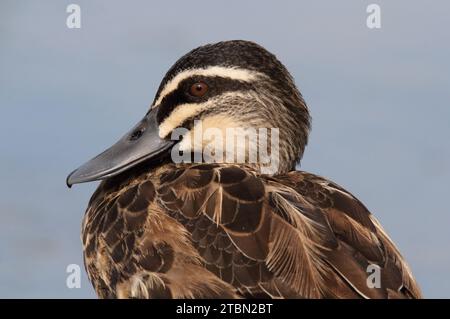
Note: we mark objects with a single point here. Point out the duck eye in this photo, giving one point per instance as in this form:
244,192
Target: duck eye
198,89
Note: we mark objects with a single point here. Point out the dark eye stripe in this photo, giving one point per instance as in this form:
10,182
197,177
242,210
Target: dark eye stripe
169,103
216,86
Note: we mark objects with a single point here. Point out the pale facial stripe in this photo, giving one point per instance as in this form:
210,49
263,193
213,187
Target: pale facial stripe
219,71
185,111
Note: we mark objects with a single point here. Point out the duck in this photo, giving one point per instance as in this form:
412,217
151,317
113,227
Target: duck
218,227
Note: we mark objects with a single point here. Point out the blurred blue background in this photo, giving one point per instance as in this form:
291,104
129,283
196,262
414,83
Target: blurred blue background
379,101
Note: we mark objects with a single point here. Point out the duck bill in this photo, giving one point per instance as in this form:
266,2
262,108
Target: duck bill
139,144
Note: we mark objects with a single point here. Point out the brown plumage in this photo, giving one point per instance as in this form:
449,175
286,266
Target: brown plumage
222,230
156,229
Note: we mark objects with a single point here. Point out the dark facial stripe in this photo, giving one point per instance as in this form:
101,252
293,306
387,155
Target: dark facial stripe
237,53
216,86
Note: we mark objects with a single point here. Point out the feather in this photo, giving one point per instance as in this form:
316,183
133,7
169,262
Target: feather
204,231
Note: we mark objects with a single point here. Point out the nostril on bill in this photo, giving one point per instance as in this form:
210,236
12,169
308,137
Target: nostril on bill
136,134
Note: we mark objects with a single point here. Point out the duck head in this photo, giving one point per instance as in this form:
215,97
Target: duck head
222,86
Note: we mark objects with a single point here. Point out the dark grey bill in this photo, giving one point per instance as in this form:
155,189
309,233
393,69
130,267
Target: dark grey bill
138,145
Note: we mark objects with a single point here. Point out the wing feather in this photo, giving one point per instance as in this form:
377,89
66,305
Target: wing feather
304,232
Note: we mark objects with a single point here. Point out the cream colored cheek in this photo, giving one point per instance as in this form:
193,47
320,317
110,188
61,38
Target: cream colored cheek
194,139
